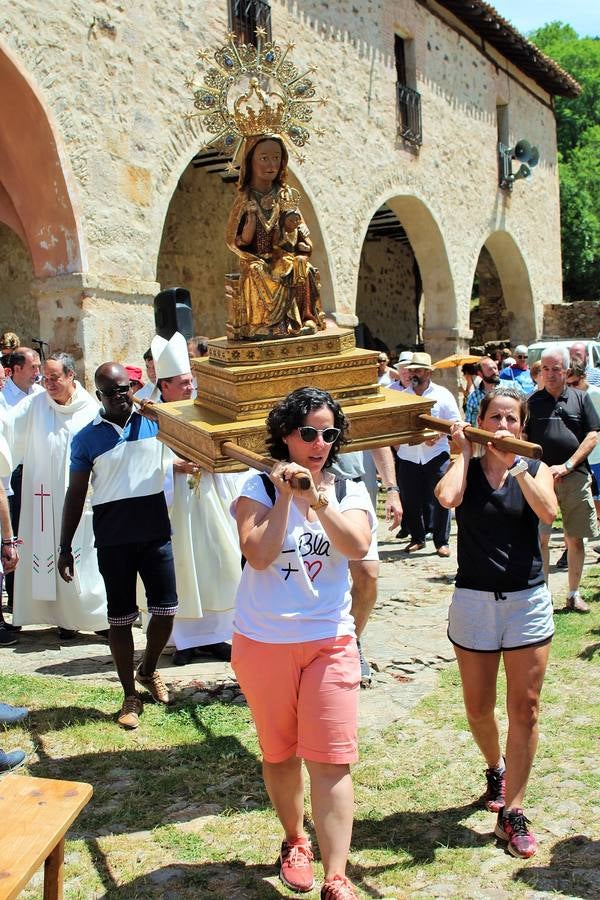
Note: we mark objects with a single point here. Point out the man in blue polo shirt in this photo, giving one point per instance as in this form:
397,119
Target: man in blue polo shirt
120,451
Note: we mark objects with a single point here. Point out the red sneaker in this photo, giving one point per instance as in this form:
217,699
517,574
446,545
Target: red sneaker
512,827
338,888
496,790
295,865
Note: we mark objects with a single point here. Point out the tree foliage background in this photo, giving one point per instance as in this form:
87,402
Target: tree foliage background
578,126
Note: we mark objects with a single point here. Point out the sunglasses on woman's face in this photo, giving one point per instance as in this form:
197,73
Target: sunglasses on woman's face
309,434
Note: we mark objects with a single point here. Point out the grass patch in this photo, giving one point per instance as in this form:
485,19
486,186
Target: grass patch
179,808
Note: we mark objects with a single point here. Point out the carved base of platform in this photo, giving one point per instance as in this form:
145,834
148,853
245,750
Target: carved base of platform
239,383
243,380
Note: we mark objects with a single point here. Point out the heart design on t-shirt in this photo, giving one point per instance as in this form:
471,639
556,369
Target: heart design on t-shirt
313,568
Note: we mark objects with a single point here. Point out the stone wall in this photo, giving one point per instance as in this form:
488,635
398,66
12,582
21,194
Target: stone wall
18,309
386,292
116,102
490,319
193,253
571,320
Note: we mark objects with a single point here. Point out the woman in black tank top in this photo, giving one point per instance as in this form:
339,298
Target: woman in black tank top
501,606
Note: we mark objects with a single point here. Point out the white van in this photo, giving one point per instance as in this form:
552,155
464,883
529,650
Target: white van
593,349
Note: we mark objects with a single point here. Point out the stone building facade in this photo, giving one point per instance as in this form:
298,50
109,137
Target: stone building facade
101,204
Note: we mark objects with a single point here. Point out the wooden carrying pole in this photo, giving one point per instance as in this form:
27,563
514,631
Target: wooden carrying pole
262,463
479,436
233,451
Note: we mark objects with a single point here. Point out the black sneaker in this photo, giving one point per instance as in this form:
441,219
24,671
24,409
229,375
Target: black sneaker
562,562
66,634
365,668
182,657
221,651
496,789
8,638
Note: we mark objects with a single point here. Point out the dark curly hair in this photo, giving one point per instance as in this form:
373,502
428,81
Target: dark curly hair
291,413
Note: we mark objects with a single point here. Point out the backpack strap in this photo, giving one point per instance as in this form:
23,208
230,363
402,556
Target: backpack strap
340,488
269,487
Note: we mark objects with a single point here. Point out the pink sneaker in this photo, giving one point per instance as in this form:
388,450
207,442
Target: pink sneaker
496,789
338,888
512,827
295,865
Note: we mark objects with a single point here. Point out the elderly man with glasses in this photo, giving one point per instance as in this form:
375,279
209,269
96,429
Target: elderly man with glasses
120,451
519,371
39,431
563,420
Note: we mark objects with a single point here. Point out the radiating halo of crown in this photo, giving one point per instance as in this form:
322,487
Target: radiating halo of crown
231,110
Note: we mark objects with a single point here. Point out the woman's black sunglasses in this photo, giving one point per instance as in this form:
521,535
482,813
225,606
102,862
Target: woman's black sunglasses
309,434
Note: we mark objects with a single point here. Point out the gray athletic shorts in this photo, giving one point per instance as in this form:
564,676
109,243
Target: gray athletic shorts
488,621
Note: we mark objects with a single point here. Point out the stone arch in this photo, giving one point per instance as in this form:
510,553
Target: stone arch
426,242
507,292
35,200
193,253
18,308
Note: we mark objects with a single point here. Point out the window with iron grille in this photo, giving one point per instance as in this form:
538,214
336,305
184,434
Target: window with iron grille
245,16
409,100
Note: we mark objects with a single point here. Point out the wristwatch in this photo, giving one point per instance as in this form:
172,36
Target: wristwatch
321,503
569,466
518,467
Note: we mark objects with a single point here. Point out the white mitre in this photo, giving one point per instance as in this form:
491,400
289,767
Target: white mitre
170,357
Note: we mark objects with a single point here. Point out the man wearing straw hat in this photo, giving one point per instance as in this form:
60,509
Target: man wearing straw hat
403,376
422,466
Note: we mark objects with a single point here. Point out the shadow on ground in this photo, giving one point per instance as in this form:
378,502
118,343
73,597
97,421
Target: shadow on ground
574,870
420,834
591,650
233,878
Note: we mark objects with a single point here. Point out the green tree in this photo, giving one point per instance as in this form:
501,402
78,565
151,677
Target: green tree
578,131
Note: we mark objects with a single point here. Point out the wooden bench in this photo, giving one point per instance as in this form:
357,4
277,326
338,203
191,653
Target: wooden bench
35,814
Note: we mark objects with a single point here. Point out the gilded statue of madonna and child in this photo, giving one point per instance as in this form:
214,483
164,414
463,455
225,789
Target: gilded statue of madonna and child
256,103
279,289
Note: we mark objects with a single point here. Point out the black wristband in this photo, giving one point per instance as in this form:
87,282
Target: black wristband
392,487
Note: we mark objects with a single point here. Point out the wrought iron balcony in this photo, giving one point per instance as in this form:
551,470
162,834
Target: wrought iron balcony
409,112
245,16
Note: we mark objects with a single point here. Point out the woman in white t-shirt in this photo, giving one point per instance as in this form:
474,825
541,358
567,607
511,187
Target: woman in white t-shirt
294,646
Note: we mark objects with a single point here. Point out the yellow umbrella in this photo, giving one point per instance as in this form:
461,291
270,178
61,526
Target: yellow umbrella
455,360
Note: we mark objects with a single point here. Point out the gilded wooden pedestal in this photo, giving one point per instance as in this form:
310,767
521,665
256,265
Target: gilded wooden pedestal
240,382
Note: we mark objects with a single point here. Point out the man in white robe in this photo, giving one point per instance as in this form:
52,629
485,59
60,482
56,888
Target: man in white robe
39,431
149,391
205,541
25,367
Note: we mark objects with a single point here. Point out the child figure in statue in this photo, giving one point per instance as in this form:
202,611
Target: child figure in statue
279,290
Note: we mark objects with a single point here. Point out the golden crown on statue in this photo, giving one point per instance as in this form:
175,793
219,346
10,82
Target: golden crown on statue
253,90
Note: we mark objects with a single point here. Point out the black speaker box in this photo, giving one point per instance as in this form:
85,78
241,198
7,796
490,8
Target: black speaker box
173,312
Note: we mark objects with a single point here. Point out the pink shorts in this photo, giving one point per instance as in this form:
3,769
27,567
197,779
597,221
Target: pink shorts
303,697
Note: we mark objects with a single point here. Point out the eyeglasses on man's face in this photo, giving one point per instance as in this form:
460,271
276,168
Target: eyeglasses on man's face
521,356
